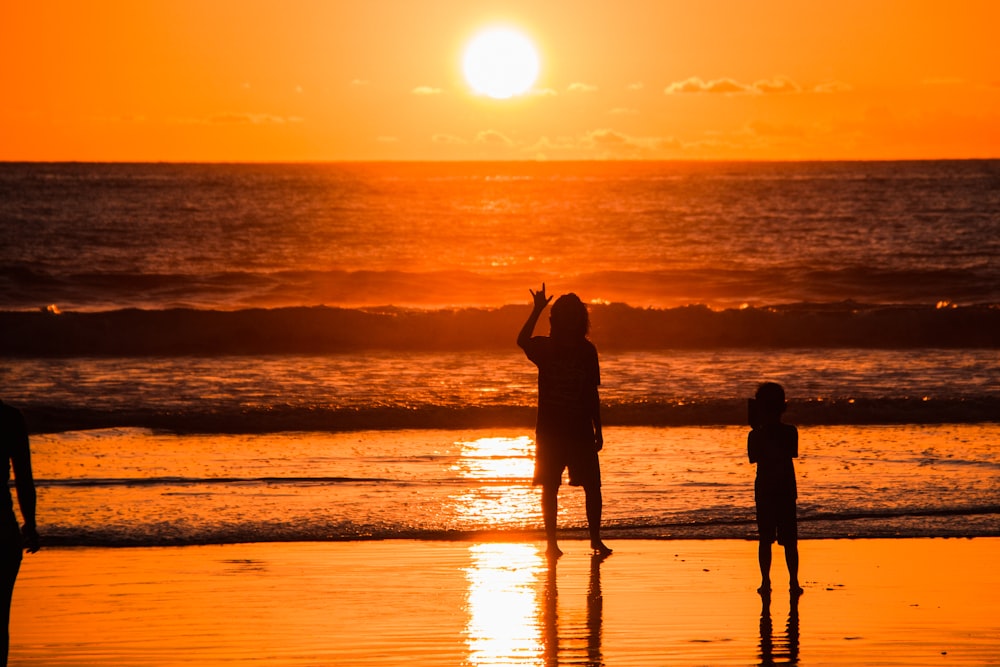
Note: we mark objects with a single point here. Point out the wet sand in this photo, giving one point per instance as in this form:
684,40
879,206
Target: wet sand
873,602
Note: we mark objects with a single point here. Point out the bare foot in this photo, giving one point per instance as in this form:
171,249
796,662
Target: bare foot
600,548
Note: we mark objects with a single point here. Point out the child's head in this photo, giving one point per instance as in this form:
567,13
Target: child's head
770,399
569,318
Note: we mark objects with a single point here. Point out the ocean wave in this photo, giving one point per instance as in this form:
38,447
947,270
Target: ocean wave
44,418
972,521
322,330
31,285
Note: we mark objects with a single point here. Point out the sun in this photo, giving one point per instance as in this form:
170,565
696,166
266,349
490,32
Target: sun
500,63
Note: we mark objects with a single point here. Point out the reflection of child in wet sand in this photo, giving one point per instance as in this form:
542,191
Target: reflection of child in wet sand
568,428
772,445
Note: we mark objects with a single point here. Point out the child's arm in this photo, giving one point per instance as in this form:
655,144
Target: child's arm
751,448
540,301
595,416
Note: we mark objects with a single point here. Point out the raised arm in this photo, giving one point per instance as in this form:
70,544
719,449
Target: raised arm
540,302
595,416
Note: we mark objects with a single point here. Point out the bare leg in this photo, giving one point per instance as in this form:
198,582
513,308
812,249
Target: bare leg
549,513
792,560
11,563
764,557
595,503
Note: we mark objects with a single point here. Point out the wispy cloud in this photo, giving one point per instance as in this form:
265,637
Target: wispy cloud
833,87
250,119
581,88
426,90
780,85
493,138
448,140
636,85
696,85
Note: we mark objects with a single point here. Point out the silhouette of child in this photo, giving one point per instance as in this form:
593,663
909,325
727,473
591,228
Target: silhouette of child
14,443
568,428
772,445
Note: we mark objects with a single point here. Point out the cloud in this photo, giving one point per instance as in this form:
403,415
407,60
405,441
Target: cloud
581,88
637,85
833,87
605,143
776,85
696,85
251,119
426,90
448,139
544,92
493,138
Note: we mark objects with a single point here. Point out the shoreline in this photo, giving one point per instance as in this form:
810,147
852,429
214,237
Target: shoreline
899,601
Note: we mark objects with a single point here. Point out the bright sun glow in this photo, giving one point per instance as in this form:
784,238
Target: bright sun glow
500,63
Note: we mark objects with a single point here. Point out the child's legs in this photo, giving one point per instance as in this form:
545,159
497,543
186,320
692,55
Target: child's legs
788,537
764,558
767,529
792,561
550,494
595,504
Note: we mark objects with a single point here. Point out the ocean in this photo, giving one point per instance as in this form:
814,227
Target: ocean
238,353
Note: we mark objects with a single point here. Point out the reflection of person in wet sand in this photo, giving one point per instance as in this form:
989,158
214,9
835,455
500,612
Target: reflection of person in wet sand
568,428
14,440
771,647
772,445
559,649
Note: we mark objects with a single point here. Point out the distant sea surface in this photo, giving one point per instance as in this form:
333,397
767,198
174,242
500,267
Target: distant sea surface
344,333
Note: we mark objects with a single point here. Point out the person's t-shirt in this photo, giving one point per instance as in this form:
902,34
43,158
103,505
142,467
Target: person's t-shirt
568,376
772,447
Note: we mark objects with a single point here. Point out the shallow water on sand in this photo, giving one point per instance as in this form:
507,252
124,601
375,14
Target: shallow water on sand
134,487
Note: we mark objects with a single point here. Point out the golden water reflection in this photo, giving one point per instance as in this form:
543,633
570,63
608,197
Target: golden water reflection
499,494
503,604
496,458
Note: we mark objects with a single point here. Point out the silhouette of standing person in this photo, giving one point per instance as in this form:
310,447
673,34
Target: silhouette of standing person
568,427
772,445
14,440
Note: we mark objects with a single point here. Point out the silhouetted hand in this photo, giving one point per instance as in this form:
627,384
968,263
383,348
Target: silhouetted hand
29,538
540,299
599,441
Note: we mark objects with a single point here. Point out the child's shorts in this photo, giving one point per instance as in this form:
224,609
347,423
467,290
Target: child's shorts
776,520
551,459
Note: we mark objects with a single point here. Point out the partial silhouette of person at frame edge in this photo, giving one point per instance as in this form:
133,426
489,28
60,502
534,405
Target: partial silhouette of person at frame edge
568,430
16,452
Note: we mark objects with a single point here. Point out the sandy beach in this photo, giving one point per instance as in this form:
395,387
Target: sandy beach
873,602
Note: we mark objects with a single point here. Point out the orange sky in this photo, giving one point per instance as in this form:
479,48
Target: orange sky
294,80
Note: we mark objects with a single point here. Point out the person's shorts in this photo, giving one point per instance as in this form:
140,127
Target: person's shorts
551,459
776,520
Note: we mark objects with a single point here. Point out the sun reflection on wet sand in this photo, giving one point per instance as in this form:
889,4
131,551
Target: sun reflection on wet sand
503,605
